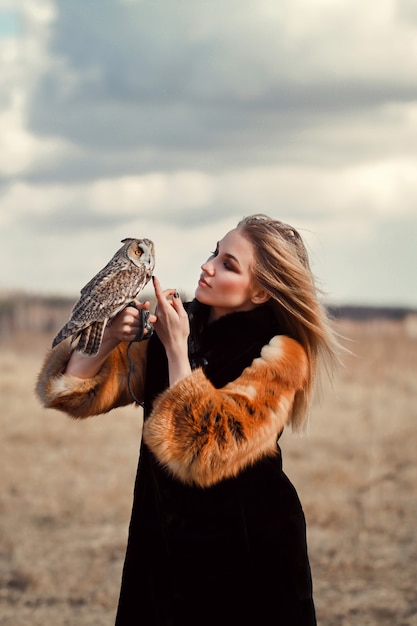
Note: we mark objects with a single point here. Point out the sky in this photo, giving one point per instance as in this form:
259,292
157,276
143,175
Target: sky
173,119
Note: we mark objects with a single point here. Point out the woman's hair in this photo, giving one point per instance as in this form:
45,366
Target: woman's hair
283,271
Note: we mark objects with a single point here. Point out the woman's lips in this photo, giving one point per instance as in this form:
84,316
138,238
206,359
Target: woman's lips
203,283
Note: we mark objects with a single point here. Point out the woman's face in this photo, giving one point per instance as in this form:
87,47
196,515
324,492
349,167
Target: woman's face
226,283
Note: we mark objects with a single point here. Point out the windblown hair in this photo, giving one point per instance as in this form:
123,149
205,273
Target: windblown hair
283,271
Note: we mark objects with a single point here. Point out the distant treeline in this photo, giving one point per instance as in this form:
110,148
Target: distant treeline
25,312
46,314
364,313
33,313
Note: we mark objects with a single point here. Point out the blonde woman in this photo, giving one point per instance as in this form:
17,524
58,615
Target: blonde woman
217,533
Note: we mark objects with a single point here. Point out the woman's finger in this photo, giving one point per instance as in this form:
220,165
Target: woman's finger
177,303
162,295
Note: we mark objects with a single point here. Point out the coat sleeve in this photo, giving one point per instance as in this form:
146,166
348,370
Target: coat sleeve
203,435
81,397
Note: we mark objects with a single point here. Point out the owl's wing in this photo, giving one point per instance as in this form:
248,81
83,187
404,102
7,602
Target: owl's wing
103,297
108,292
91,338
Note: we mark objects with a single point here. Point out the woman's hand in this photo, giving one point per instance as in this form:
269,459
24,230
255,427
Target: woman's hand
127,324
172,327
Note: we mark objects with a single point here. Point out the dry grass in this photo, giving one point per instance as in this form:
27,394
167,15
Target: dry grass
66,490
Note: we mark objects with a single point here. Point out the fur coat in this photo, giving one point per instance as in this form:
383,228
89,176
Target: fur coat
217,533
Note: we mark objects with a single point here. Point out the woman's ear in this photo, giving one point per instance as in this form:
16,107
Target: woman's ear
260,296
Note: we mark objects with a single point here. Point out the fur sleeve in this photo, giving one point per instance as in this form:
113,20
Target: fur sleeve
203,435
91,396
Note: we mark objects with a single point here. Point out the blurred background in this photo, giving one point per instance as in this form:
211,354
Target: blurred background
172,119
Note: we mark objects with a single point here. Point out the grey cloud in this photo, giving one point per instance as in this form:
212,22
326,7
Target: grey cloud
68,219
144,86
75,217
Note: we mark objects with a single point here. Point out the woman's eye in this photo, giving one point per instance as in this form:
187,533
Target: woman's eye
226,263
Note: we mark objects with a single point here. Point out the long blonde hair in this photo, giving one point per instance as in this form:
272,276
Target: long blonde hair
283,271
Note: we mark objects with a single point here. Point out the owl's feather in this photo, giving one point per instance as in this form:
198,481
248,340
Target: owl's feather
107,293
91,337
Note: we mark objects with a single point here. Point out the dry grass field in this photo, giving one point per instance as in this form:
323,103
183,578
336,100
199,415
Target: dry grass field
65,492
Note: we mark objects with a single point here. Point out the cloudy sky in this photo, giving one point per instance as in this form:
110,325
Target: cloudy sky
172,119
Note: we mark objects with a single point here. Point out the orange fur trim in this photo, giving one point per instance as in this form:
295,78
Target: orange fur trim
203,435
91,396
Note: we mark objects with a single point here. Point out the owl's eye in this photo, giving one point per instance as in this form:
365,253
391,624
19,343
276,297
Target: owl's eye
139,252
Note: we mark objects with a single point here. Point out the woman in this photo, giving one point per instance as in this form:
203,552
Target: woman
217,533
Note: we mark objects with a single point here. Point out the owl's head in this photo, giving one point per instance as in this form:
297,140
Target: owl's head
141,252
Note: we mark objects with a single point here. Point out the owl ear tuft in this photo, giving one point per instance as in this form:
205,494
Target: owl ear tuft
127,240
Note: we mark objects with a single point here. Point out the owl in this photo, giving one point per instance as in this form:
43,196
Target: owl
107,293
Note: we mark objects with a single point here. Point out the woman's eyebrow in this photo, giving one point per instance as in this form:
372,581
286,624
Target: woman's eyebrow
227,254
233,258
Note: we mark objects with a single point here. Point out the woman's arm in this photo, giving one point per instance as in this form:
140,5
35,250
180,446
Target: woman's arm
203,435
172,327
83,386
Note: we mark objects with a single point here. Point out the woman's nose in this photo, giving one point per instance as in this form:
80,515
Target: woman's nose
207,268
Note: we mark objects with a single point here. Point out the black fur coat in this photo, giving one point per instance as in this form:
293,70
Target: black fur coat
224,549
